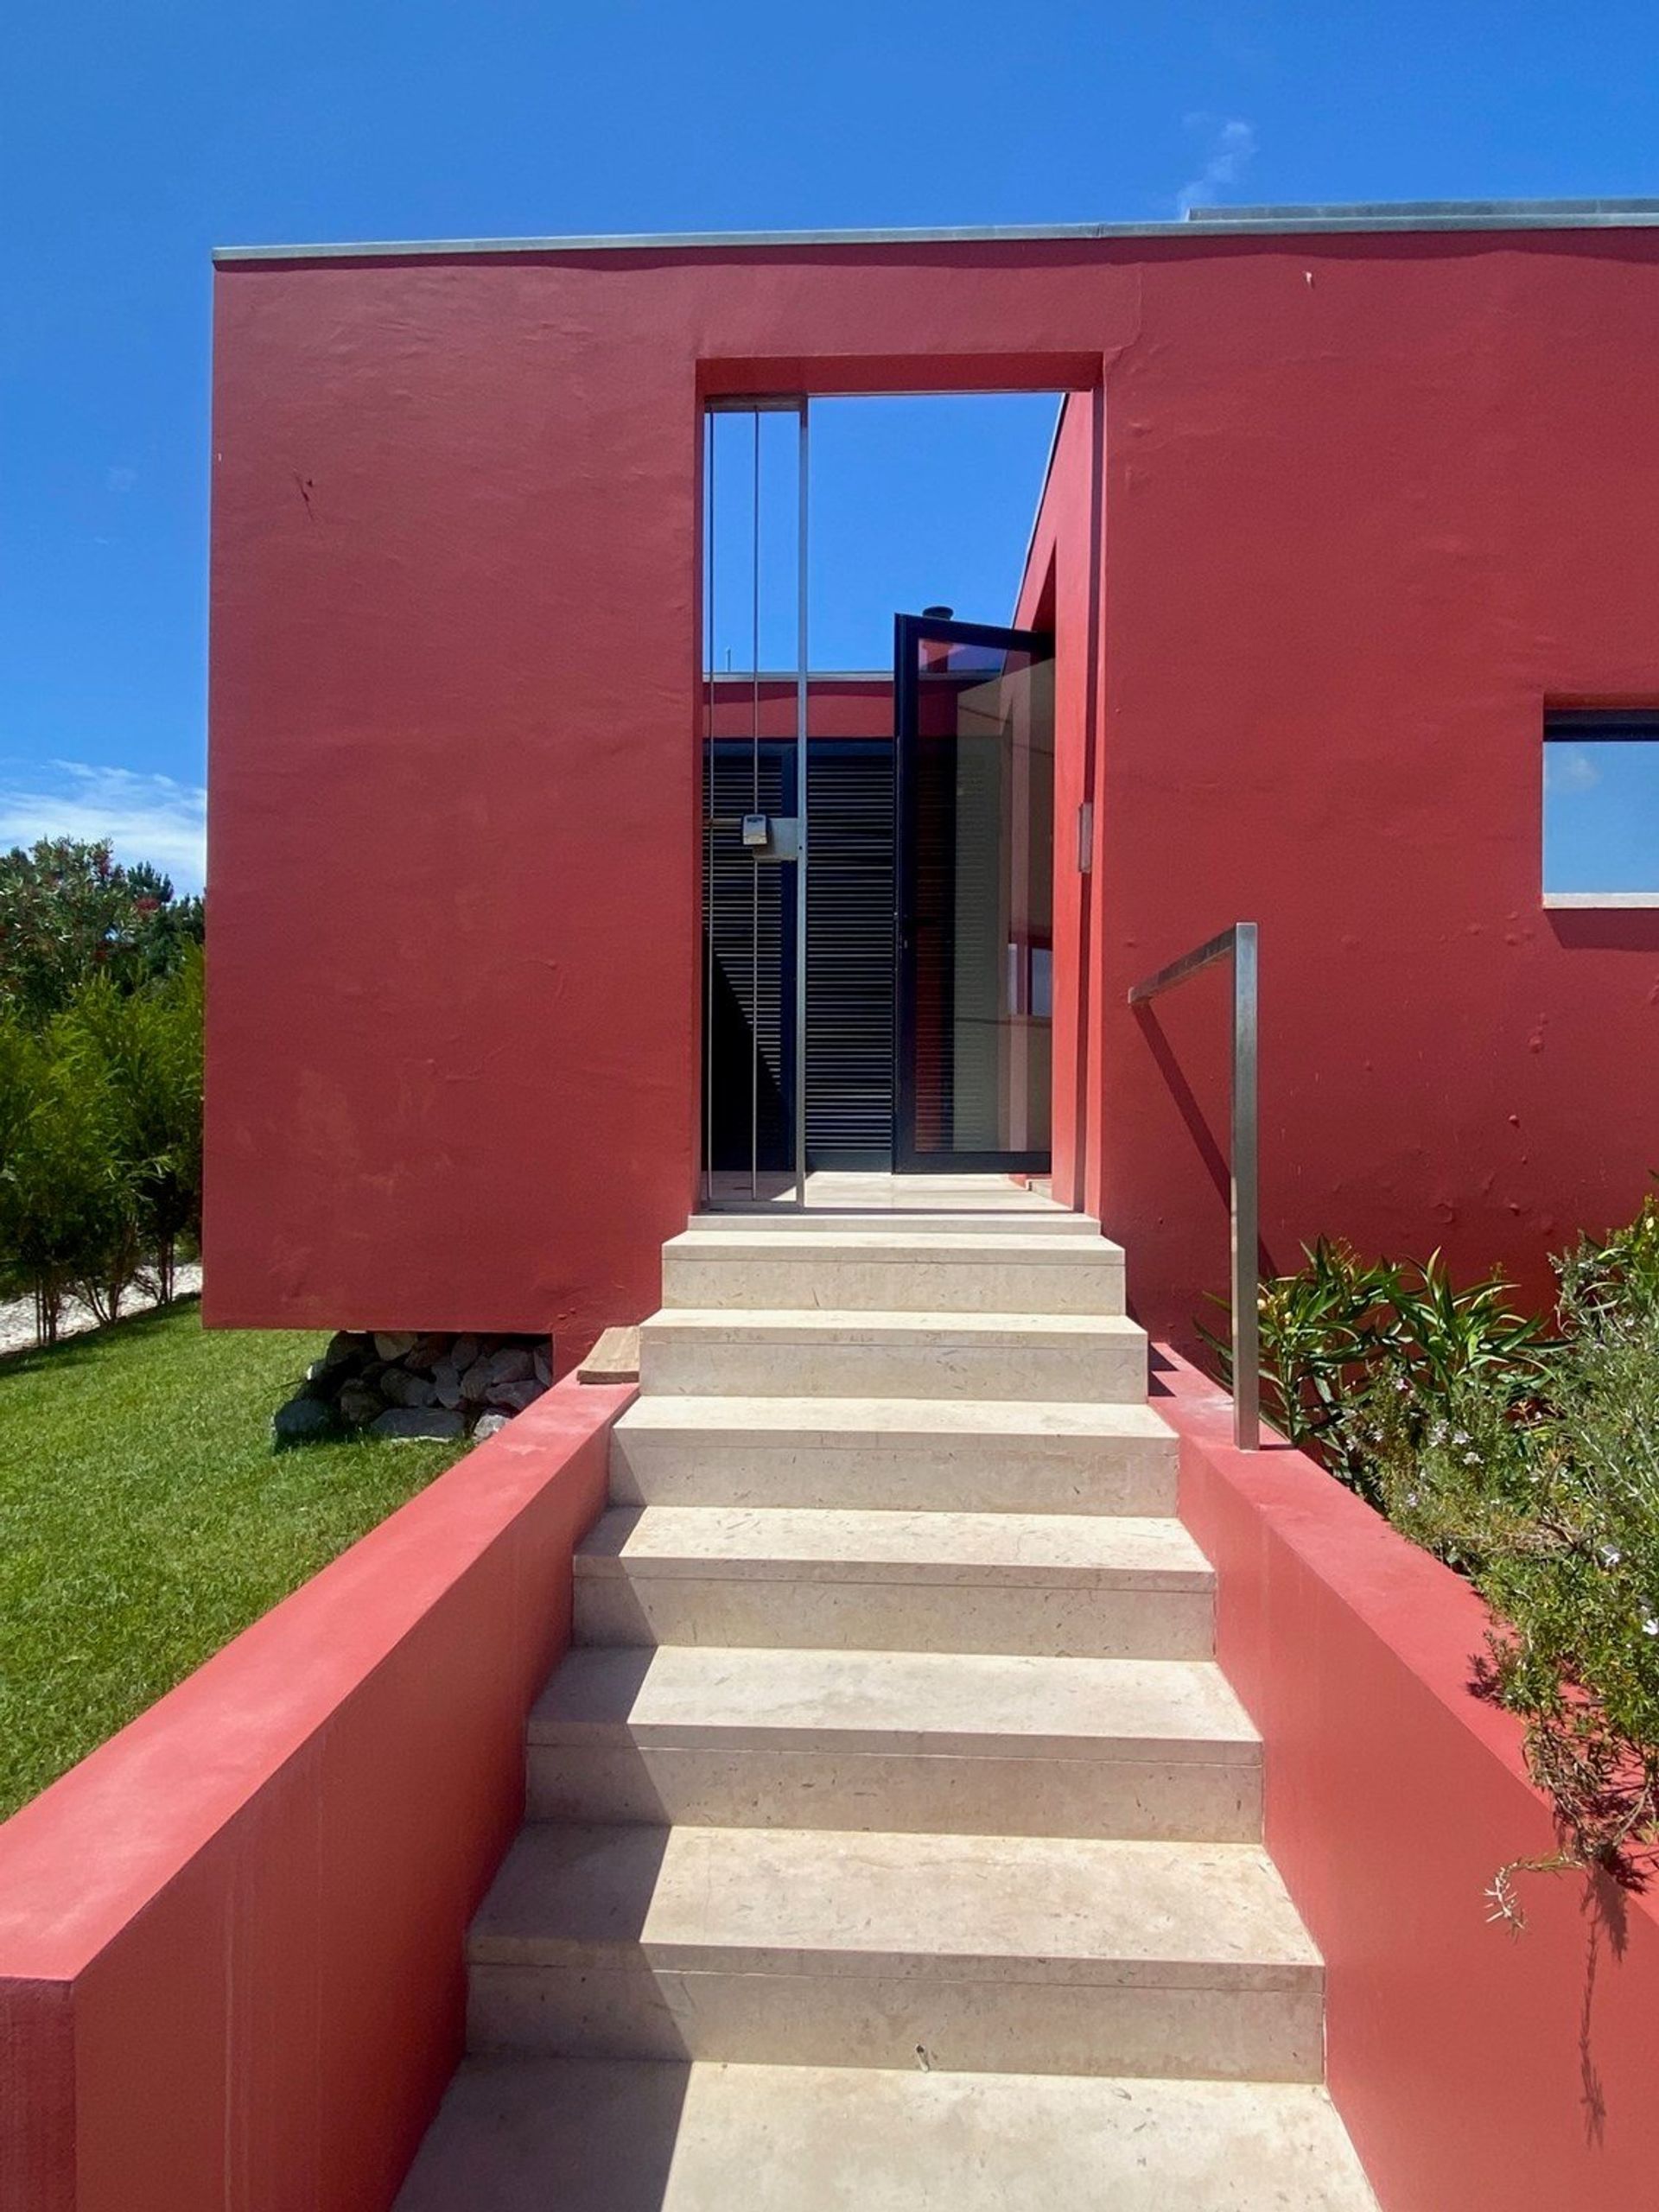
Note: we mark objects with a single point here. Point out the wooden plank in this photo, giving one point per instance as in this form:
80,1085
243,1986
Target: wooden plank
614,1358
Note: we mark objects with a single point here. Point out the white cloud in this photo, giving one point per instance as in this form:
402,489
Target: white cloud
145,817
1231,145
1567,769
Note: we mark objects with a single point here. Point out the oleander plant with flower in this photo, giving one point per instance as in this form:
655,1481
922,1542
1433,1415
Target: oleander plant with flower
1526,1456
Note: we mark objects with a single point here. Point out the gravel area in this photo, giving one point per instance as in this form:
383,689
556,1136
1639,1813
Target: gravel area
17,1314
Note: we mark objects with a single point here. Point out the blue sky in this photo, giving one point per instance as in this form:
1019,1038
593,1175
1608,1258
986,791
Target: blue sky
134,138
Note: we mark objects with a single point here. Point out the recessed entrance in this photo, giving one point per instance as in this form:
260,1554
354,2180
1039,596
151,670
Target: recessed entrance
878,842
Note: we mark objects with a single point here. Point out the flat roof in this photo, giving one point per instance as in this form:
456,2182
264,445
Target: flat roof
1200,222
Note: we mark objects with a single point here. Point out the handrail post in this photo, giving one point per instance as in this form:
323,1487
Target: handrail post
1237,943
1246,1197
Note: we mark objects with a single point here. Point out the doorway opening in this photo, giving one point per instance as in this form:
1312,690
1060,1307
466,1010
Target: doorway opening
878,792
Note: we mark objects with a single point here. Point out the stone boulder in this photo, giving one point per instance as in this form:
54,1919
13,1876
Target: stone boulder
303,1421
400,1386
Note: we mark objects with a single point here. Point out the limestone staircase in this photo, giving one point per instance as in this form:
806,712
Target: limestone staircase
893,1838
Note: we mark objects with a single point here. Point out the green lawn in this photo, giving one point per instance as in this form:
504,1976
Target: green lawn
145,1520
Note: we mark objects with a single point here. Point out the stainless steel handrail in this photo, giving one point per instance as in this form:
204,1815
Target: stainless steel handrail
1238,945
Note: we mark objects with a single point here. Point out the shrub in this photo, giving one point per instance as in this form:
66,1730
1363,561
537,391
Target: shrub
1529,1463
100,1141
64,1217
142,1052
1343,1332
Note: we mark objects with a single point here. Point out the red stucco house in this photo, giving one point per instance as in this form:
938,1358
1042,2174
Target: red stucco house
899,1742
1345,504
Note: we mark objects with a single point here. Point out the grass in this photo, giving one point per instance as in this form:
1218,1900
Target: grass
144,1520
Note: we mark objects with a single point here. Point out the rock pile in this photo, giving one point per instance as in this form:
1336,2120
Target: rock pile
401,1384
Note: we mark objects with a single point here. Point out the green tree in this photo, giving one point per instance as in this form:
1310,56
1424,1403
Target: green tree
141,1053
69,911
66,1216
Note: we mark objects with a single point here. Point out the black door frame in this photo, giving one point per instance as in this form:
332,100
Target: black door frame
908,630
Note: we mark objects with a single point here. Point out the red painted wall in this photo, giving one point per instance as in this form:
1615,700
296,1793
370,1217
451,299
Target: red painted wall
1367,501
836,706
1060,592
1476,2071
232,1939
1369,506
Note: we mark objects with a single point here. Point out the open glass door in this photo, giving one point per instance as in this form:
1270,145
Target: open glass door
976,931
755,803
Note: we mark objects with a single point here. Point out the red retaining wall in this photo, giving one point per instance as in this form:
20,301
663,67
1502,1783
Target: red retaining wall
230,1941
1476,2070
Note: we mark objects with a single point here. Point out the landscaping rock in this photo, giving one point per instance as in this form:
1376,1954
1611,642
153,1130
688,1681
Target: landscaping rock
303,1421
357,1404
489,1425
398,1387
411,1424
359,1378
515,1396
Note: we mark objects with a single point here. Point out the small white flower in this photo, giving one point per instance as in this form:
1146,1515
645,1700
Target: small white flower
1611,1555
1459,1436
1400,1384
1472,1459
1411,1498
1650,1625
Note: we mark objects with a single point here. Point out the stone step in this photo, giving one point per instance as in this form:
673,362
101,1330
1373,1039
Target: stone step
978,1954
1056,1585
1083,1358
619,2135
856,1191
1027,1220
974,1455
866,1269
955,1743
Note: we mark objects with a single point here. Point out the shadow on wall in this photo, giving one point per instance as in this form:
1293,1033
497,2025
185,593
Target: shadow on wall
1606,929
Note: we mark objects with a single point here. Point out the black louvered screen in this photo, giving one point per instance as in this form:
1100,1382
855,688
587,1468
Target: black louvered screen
849,998
850,1020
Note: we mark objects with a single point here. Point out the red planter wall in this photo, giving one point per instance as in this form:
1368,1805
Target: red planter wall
1476,2071
231,1968
1367,503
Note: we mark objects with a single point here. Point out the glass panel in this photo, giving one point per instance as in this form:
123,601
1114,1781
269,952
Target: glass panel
1601,814
982,779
